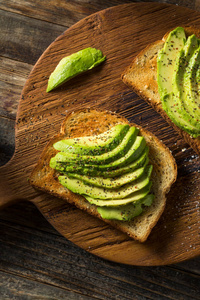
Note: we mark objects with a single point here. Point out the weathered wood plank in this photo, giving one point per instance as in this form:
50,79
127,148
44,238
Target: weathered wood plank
28,37
9,99
13,75
191,266
17,287
69,12
14,72
66,13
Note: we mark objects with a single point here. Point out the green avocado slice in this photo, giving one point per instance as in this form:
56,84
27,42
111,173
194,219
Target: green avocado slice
79,187
190,47
166,60
73,65
198,88
117,213
143,160
134,197
109,183
176,117
126,212
94,145
102,159
191,99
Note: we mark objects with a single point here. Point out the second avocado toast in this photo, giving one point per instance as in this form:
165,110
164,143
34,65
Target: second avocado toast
170,83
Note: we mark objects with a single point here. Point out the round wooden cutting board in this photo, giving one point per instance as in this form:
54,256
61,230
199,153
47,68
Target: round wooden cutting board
120,32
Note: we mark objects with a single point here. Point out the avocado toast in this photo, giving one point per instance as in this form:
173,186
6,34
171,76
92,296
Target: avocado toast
161,169
166,75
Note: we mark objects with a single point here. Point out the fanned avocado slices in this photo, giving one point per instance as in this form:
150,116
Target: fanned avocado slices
59,161
91,170
94,145
191,99
114,175
79,187
183,84
177,68
109,183
132,198
102,159
166,59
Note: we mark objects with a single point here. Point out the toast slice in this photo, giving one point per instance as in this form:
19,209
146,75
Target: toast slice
141,76
91,122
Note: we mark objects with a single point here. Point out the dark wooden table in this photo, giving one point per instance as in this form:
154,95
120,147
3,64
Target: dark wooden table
35,261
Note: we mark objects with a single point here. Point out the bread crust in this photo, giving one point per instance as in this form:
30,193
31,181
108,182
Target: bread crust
91,121
141,76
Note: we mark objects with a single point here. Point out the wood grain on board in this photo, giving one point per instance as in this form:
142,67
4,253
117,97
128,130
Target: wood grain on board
39,116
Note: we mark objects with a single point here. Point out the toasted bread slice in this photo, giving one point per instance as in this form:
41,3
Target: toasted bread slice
91,122
141,76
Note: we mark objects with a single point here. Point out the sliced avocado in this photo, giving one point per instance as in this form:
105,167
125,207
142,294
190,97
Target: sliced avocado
134,197
94,145
191,97
190,47
171,62
123,181
132,155
182,86
166,59
126,212
198,78
198,87
104,158
109,183
79,187
143,160
176,117
74,64
90,171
